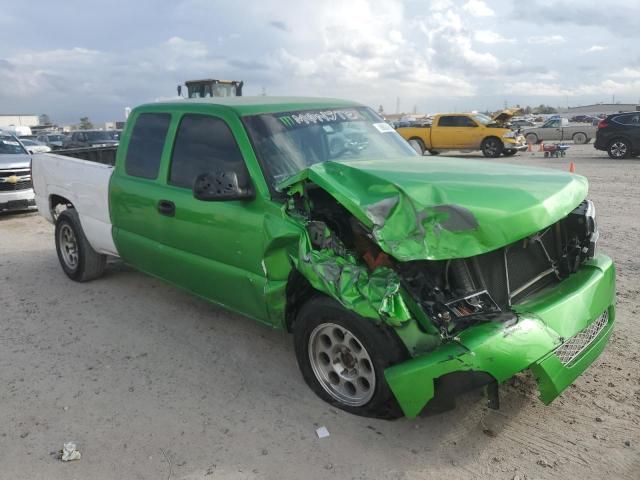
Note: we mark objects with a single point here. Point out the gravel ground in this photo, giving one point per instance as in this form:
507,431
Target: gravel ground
153,383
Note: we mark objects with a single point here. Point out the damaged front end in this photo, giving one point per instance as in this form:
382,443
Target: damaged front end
470,302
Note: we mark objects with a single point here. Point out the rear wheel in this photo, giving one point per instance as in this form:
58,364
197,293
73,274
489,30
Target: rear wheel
532,138
579,138
619,148
342,357
492,147
78,259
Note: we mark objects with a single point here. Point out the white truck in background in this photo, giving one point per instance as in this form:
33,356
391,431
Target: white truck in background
559,129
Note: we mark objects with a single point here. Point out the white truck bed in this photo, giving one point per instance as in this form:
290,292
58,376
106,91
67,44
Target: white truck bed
83,183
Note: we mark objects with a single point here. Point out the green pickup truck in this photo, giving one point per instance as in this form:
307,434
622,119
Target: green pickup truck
405,280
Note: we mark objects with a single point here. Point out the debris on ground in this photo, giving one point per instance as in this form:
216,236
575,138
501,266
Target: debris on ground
69,452
322,432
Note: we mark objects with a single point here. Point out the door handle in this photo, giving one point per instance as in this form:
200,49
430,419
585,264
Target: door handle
166,207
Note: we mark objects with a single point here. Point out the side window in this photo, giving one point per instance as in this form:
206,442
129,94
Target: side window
631,119
466,122
447,121
204,144
145,146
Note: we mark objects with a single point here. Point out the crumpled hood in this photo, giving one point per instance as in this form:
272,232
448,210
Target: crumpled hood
422,208
8,162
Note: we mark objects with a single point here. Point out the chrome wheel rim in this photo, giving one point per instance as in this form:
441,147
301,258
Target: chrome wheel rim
68,246
341,364
618,149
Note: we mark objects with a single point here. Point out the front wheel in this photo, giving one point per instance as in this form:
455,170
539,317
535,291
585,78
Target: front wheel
532,138
619,149
492,147
78,259
342,358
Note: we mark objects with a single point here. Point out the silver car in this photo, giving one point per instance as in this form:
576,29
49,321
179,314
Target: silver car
16,189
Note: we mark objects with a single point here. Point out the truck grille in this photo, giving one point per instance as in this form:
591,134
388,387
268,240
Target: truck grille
15,180
572,348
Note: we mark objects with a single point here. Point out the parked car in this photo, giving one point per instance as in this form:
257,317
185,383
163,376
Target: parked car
559,129
516,124
402,279
581,119
16,190
89,138
53,140
35,147
466,131
619,135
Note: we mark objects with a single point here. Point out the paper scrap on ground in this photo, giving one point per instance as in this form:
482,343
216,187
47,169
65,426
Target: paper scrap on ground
69,452
322,432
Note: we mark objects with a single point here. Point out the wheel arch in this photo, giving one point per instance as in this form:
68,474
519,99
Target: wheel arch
56,201
298,292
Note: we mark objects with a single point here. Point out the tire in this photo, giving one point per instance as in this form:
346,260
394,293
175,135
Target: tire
78,259
509,153
619,148
323,326
580,138
418,142
433,152
492,147
532,138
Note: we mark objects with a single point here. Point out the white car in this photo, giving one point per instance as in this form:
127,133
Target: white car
35,147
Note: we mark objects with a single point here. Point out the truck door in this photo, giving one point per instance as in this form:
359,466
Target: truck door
212,248
446,134
552,130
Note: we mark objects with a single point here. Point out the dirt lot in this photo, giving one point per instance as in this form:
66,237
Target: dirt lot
152,383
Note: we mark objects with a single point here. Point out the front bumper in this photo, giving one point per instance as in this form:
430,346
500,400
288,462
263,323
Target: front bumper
544,323
17,200
518,144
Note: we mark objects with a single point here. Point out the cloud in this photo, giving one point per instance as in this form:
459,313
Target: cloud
279,25
547,89
617,16
490,37
594,48
627,72
545,39
478,8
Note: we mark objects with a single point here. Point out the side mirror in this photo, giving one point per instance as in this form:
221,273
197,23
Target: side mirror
30,152
179,90
221,186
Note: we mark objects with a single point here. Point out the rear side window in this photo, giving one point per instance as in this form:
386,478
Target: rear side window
204,144
630,119
145,146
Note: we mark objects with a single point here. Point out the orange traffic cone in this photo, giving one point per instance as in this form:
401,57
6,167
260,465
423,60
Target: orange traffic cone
541,149
572,167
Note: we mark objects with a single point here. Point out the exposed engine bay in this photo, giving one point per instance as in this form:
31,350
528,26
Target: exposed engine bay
458,293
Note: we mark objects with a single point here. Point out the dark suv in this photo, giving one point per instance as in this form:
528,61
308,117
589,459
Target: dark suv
619,135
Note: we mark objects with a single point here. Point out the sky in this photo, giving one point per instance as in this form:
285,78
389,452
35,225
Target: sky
84,58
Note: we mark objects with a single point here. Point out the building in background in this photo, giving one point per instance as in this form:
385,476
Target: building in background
598,108
19,119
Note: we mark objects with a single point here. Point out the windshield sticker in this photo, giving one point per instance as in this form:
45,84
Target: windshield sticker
320,117
383,127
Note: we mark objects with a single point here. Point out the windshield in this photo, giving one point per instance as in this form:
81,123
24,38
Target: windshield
288,142
482,118
29,142
100,135
10,146
55,138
